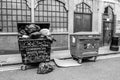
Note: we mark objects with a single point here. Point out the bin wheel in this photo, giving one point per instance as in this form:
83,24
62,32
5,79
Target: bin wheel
24,67
95,58
79,61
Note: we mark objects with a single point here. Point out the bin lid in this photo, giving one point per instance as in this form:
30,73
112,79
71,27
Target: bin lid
85,33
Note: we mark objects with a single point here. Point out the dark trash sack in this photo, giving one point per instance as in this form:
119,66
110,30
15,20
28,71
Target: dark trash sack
114,45
35,35
31,28
44,68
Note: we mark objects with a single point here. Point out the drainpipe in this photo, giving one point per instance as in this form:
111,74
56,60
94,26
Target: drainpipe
32,11
70,19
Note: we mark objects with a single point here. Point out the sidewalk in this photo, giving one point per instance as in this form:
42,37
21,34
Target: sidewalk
104,53
107,69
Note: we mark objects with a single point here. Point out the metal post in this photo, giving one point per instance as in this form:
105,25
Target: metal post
70,20
32,11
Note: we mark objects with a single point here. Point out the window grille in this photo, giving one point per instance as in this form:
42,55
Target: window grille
108,13
82,18
12,12
83,8
52,11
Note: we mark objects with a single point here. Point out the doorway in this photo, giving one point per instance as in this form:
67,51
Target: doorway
108,25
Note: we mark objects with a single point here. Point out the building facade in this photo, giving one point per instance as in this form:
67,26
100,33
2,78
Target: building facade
65,17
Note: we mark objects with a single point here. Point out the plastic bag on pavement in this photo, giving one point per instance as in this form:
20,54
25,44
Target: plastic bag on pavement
44,68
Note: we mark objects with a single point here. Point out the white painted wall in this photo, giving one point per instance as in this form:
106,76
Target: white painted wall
117,12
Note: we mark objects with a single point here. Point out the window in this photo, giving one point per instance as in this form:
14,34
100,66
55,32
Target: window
53,12
82,18
12,12
83,8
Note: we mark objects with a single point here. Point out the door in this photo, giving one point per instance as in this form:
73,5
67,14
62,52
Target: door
108,25
107,32
82,22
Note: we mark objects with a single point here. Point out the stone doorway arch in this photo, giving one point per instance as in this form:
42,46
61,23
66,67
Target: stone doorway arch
108,25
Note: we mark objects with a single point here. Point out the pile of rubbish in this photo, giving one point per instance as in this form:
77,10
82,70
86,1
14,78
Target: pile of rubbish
44,68
34,32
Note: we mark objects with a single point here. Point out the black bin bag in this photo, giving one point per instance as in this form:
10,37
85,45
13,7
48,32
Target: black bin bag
114,43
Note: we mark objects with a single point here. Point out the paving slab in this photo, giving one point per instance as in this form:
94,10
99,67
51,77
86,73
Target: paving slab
16,58
107,69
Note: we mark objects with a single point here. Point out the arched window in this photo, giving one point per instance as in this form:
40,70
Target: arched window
11,12
108,10
83,8
52,11
108,13
82,18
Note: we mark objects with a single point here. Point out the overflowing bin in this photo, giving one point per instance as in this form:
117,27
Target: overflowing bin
33,50
84,45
